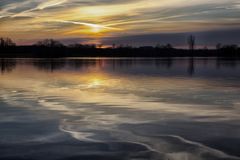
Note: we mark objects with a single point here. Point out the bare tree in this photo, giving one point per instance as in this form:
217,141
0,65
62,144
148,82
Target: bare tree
168,46
191,42
6,42
49,43
113,46
218,46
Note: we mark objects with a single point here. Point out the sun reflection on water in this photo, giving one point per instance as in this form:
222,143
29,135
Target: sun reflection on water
94,83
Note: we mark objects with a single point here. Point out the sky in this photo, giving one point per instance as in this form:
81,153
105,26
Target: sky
133,22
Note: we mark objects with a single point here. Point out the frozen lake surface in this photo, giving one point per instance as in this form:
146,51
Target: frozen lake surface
119,109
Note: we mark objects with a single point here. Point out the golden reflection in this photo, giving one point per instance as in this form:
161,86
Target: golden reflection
96,86
94,83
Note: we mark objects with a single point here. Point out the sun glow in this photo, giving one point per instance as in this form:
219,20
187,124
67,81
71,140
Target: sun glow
94,79
95,83
26,21
96,29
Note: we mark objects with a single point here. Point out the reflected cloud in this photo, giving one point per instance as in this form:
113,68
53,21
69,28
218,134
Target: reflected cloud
138,107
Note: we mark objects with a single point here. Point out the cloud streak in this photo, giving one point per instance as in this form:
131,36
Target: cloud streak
34,19
40,6
88,24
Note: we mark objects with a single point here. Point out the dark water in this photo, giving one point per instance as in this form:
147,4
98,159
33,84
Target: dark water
108,109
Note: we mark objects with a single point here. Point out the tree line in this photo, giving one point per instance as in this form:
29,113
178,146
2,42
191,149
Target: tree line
54,48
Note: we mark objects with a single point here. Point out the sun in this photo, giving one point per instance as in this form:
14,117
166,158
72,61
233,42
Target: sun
96,29
95,83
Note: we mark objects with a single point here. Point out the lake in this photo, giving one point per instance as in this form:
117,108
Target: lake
120,108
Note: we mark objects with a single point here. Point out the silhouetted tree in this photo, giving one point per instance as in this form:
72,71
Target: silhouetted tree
100,45
191,42
90,46
230,47
81,46
218,46
120,46
158,46
6,42
76,45
49,43
167,46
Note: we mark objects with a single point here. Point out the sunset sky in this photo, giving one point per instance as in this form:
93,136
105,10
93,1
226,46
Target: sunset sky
134,22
